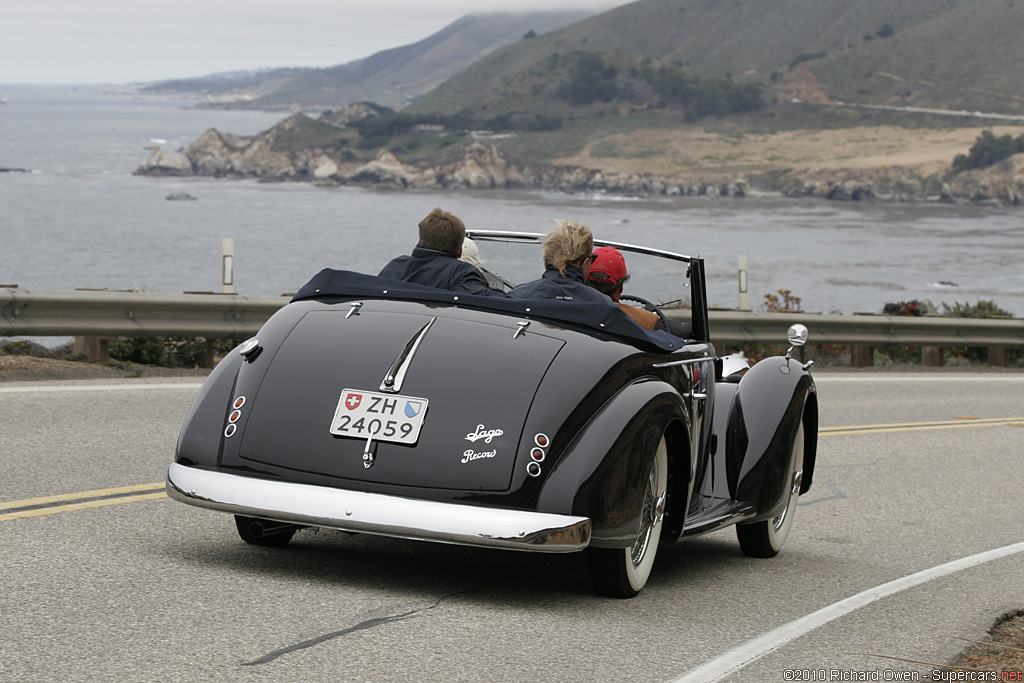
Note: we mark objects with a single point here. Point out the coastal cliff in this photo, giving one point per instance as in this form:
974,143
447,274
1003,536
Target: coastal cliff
278,155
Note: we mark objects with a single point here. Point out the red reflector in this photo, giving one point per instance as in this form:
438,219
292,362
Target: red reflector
537,454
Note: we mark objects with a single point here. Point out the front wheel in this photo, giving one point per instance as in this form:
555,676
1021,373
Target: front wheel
623,572
765,538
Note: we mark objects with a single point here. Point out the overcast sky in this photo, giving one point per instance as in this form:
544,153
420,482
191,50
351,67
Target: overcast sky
122,41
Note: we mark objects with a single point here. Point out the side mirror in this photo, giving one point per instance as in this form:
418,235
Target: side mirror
797,335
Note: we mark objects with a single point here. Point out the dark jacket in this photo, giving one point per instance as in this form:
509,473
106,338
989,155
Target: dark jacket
554,285
438,269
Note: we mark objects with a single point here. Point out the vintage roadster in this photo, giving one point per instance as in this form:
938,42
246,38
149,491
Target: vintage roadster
350,410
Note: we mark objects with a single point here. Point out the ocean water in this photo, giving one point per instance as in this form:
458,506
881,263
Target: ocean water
80,218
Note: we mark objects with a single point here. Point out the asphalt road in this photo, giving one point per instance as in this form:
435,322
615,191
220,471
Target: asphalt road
122,584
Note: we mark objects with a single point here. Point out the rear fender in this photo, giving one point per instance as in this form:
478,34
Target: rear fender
604,469
202,432
201,439
771,400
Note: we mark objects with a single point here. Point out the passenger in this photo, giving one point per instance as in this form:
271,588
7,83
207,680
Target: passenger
568,251
607,275
435,260
471,255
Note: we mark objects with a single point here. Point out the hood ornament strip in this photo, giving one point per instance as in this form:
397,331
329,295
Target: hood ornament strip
396,373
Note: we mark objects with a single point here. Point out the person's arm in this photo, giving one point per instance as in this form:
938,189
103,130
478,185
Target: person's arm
645,319
472,281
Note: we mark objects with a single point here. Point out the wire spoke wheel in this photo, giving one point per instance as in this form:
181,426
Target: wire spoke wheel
623,572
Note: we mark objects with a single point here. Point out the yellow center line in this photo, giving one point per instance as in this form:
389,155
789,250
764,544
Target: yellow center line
39,512
82,500
960,423
94,493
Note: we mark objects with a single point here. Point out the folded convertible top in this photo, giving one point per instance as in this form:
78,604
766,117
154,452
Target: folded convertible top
599,320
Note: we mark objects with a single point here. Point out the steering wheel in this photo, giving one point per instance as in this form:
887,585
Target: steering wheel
647,306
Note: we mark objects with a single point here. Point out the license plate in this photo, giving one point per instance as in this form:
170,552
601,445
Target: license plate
385,417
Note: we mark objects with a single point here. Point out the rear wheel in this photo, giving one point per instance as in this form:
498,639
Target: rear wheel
263,531
765,538
623,572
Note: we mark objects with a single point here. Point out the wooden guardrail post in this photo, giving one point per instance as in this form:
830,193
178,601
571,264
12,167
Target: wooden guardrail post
92,347
998,356
862,356
931,356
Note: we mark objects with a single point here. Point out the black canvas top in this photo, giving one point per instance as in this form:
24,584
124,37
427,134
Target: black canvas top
600,320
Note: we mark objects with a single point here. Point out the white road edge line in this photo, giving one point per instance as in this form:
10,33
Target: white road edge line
98,387
824,377
738,657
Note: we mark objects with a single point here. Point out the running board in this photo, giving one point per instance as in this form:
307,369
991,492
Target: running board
723,513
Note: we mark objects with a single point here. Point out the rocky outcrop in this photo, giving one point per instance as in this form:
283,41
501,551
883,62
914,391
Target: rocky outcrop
274,155
387,171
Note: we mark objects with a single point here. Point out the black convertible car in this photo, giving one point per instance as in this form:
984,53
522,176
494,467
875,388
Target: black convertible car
583,432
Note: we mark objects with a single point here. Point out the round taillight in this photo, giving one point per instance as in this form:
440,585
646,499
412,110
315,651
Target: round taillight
229,432
541,440
234,416
533,469
537,454
239,402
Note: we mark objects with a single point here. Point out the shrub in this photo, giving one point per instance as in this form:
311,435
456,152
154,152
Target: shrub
988,150
168,352
701,96
591,80
982,309
783,300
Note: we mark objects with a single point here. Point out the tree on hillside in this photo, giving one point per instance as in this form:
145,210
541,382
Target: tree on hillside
591,80
988,150
701,96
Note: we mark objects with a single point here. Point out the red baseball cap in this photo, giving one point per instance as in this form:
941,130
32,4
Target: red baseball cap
608,267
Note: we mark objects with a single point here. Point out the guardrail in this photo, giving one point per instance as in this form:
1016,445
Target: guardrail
864,333
93,316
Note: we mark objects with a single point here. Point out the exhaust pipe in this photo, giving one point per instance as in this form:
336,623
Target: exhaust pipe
262,529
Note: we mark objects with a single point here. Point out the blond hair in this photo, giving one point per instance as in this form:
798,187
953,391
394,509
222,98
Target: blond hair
569,242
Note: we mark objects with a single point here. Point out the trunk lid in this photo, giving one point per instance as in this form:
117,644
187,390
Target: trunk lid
476,378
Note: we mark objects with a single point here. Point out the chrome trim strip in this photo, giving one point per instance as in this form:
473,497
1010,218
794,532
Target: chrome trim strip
375,513
673,363
392,382
508,236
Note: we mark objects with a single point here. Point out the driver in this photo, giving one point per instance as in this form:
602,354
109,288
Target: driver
607,275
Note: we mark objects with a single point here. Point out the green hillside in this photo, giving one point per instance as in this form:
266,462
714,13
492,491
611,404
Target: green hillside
937,53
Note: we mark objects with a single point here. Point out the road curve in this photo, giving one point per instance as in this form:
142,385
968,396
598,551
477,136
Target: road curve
911,538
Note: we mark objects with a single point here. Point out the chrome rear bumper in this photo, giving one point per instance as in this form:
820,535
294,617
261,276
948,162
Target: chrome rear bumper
374,513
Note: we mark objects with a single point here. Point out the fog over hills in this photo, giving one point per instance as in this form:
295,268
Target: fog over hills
392,77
